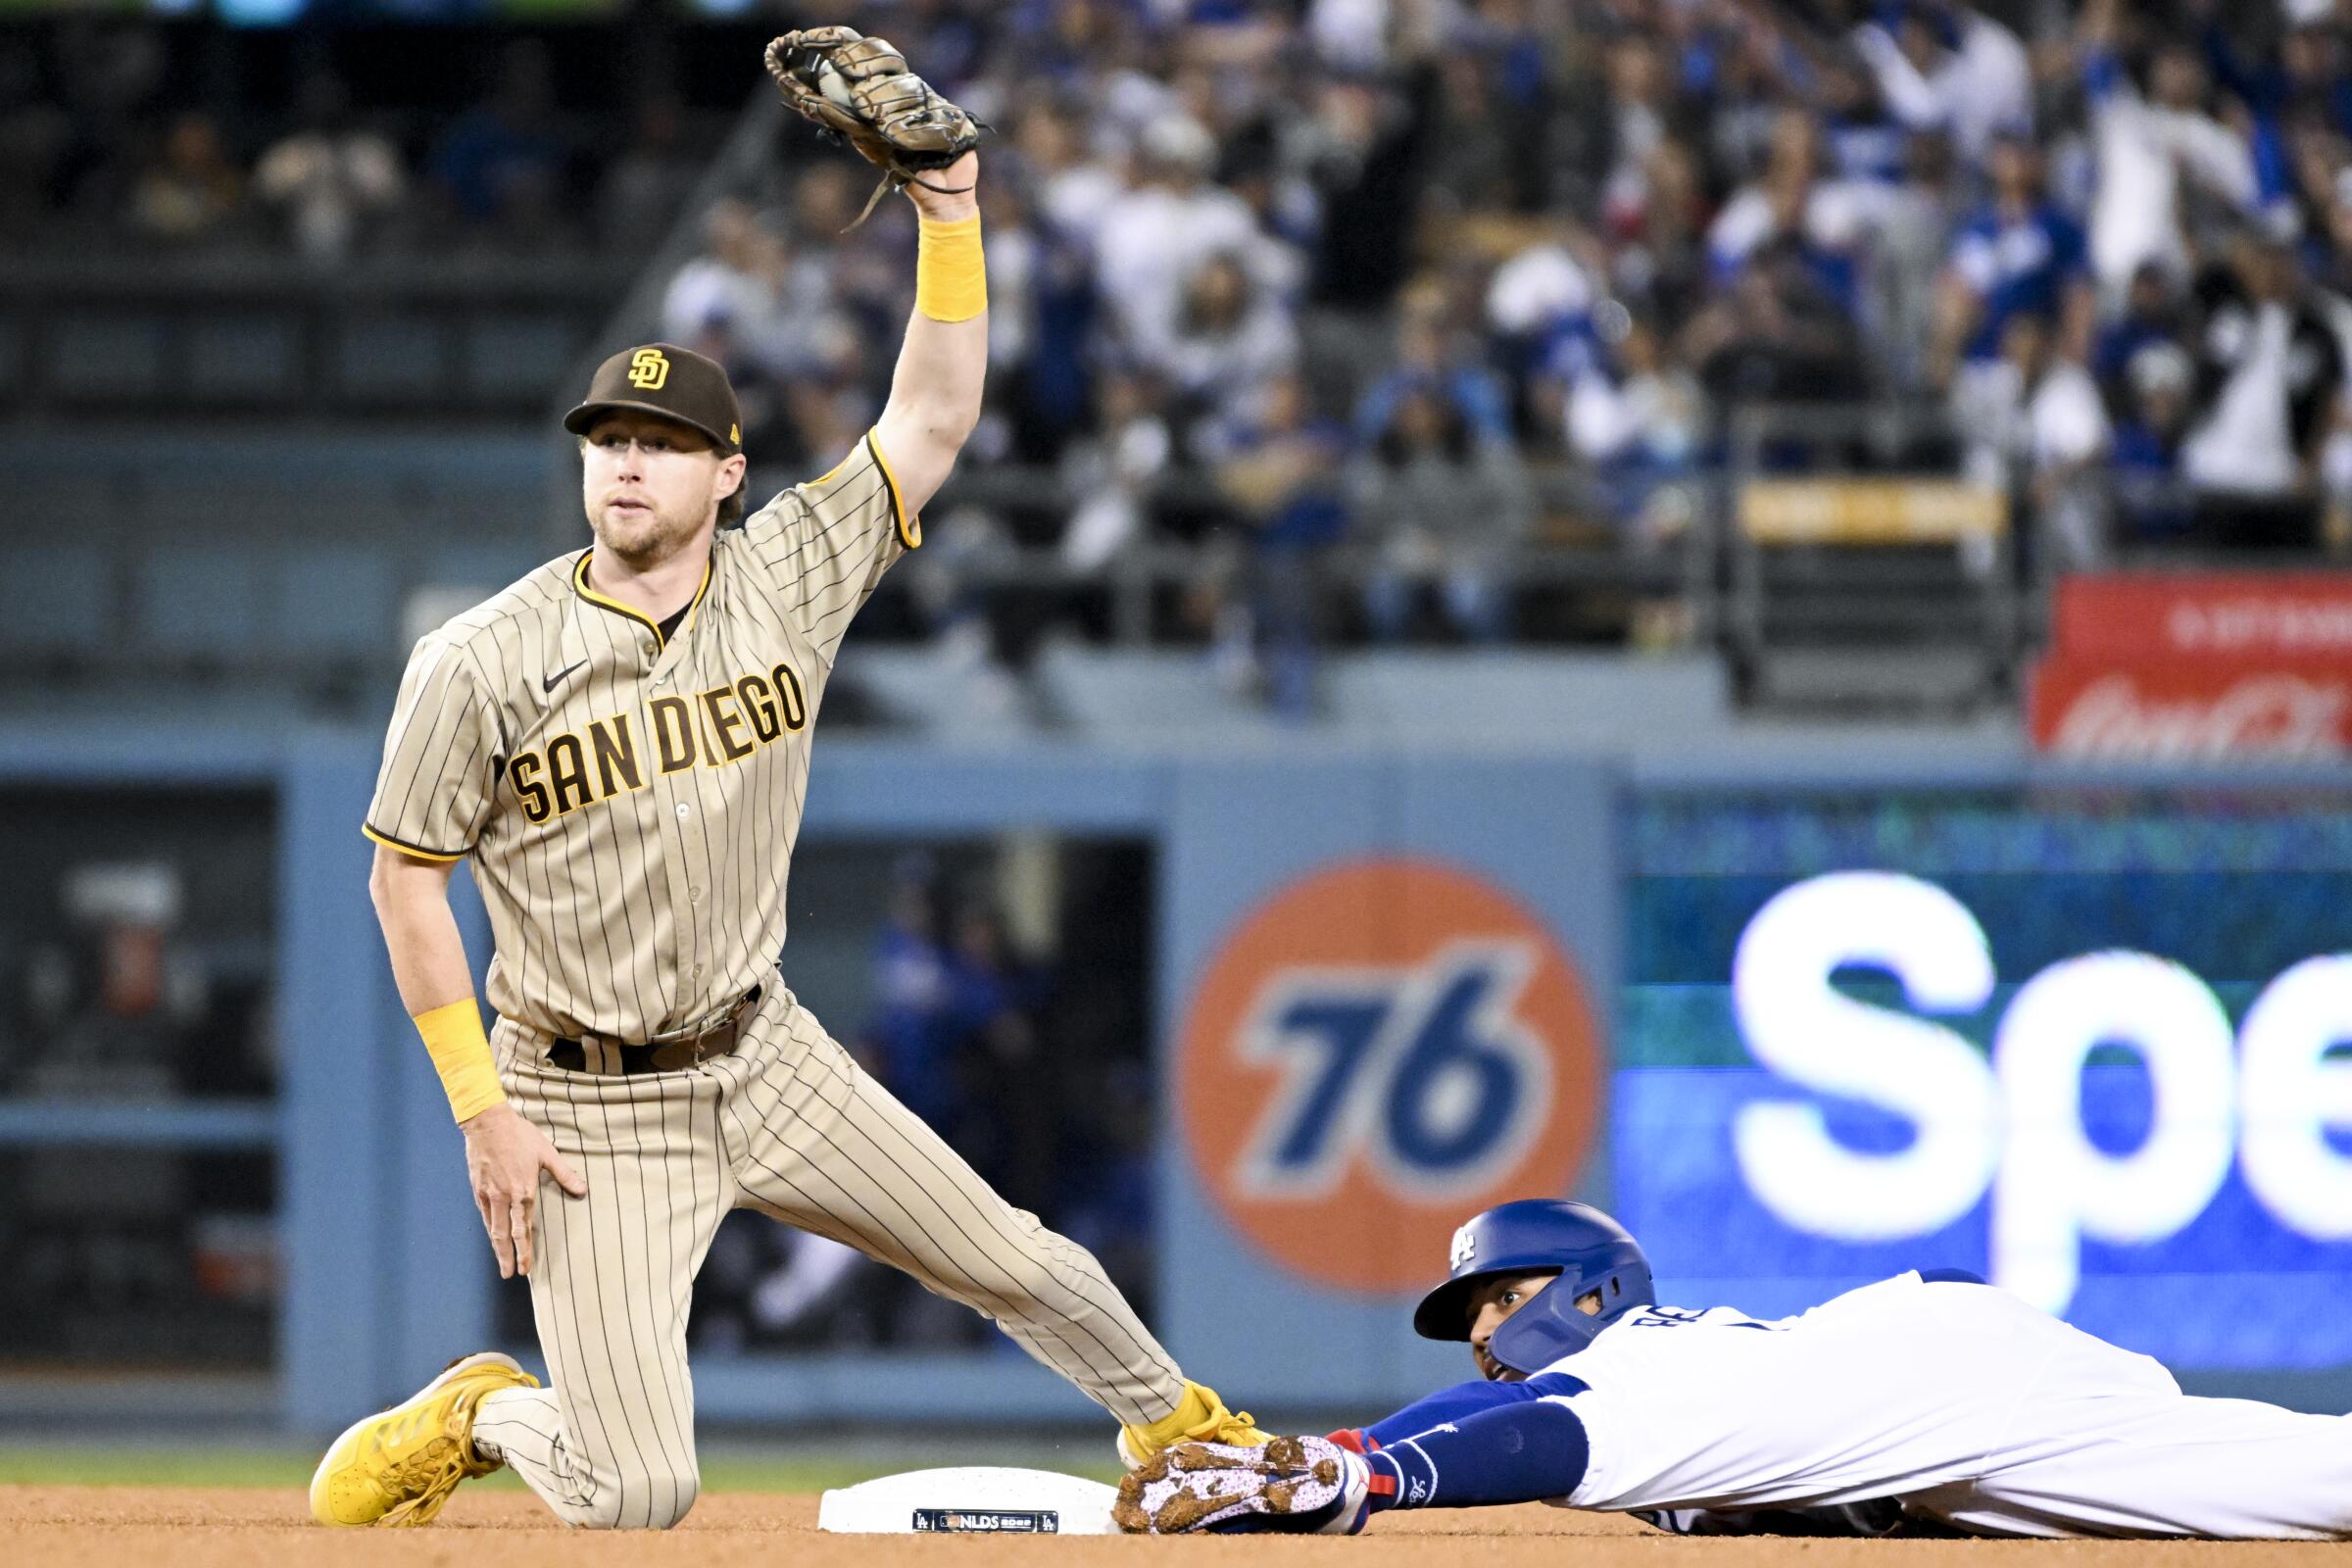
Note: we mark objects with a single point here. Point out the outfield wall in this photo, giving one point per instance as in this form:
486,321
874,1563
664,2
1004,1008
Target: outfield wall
2084,1032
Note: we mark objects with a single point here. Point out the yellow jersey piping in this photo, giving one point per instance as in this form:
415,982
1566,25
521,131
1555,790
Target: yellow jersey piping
579,580
911,529
391,843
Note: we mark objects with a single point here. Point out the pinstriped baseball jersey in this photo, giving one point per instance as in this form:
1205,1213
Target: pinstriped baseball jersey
631,801
631,796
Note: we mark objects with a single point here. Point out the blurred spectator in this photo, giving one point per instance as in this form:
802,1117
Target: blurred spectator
2019,255
1941,66
1018,258
505,163
2305,77
1281,472
329,182
2151,316
1431,354
1007,1103
910,1027
191,191
1637,417
1052,311
2270,374
1487,113
1363,150
1110,475
1910,254
1073,190
1169,222
767,307
2159,152
1230,338
1658,231
1827,222
2152,501
641,190
769,315
2037,426
1865,141
1777,335
1623,124
1474,162
1441,509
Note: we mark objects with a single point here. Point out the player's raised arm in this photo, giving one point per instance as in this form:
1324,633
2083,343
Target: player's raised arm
859,89
935,392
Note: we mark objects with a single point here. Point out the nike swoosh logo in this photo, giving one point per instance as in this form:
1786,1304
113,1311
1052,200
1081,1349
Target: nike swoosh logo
549,684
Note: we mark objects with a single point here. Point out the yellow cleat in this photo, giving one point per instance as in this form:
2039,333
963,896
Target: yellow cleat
1202,1417
399,1466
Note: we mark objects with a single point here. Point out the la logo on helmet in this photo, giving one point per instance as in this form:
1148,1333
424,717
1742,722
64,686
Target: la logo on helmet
1465,1247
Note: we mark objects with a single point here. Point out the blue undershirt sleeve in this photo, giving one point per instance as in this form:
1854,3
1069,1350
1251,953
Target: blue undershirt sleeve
1518,1452
1468,1398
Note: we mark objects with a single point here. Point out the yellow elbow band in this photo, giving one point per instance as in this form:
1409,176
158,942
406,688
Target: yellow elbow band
461,1053
951,279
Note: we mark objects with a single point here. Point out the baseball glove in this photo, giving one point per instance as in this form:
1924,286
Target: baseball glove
859,91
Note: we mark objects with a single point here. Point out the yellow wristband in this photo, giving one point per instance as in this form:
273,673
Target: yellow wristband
461,1053
950,279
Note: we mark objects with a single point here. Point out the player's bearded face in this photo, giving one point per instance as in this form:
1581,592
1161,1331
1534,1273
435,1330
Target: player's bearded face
650,487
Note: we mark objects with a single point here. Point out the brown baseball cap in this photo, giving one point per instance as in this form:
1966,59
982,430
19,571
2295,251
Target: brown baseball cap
674,382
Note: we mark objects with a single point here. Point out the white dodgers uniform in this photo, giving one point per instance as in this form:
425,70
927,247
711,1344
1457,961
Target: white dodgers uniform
1970,1407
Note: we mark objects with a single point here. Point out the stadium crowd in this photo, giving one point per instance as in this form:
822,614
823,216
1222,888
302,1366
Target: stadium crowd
1277,278
142,141
1408,281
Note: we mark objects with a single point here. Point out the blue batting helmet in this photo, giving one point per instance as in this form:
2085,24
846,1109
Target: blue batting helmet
1590,1252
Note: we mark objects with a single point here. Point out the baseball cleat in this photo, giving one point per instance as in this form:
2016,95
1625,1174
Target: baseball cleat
1202,1417
398,1466
1302,1486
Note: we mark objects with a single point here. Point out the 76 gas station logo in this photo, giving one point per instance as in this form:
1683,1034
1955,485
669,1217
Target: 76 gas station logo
1426,1073
1374,1051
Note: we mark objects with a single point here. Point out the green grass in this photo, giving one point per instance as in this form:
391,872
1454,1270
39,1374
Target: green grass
729,1468
152,1464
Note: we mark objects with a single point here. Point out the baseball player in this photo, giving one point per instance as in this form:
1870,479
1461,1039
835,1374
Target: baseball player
619,742
1929,1402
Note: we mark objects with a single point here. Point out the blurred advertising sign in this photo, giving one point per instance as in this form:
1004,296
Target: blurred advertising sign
2220,706
2199,665
2205,615
1869,512
1375,1051
2119,1087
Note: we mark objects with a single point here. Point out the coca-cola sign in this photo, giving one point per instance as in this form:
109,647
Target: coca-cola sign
2194,708
2179,615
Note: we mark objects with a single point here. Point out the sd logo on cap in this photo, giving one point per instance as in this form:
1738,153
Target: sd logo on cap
661,379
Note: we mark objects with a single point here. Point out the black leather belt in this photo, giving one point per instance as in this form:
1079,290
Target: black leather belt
674,1051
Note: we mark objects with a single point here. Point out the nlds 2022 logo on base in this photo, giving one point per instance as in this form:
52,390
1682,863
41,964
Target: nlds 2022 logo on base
1376,1051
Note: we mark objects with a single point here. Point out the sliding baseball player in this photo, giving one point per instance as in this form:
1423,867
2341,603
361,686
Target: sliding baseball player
1929,1402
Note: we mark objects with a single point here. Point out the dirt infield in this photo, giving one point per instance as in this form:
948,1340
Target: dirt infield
122,1527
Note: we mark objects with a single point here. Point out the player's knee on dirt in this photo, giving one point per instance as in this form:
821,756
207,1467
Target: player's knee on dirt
641,1497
